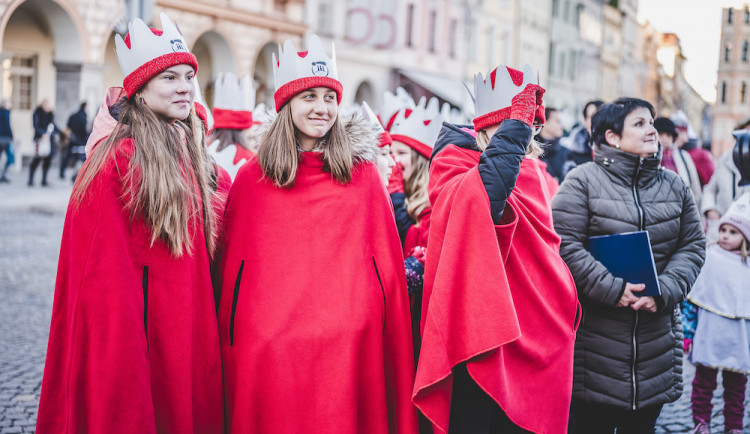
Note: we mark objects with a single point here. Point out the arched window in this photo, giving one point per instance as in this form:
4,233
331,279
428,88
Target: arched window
727,51
744,51
730,12
743,92
723,92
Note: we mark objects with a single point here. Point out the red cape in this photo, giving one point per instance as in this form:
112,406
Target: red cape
134,345
417,234
499,297
314,317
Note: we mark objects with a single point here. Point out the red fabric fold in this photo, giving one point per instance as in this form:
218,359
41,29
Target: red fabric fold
498,297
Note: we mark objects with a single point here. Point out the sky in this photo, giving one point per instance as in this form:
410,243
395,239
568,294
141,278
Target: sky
698,25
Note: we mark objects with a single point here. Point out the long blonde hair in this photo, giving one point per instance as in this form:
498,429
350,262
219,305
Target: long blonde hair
415,186
278,155
169,161
534,150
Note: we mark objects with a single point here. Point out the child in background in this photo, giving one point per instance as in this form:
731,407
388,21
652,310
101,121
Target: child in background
715,319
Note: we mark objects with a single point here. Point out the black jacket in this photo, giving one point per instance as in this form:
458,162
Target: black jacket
499,164
625,358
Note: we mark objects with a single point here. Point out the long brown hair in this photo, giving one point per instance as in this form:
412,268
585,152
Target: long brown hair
534,150
229,136
169,161
278,155
415,186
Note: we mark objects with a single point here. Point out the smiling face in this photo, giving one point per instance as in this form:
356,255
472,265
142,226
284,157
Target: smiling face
313,114
730,238
638,134
170,94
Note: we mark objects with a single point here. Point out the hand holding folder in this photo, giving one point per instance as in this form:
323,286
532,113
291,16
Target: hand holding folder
628,256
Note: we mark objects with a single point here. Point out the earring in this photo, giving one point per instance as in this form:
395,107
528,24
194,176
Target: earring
617,145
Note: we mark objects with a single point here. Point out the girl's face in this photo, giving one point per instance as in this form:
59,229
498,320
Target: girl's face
402,154
385,163
638,134
170,94
730,238
313,114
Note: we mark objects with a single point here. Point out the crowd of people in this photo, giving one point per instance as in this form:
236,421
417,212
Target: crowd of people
315,269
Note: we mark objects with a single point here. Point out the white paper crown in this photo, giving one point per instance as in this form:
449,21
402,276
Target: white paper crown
392,103
488,99
233,94
294,72
371,117
145,46
412,130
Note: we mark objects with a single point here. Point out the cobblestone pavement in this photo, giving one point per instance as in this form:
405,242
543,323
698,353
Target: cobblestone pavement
31,221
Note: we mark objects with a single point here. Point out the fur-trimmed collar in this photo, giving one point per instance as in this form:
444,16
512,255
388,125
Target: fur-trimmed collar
363,136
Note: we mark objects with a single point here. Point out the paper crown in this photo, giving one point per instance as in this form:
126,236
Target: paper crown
370,116
418,128
295,71
738,215
392,104
201,108
493,94
146,52
233,102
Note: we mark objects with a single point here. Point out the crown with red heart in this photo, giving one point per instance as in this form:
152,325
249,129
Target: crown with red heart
418,128
146,52
493,94
295,71
233,102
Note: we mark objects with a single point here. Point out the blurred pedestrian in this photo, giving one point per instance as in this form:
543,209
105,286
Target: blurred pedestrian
134,344
578,141
688,141
629,348
78,134
233,117
676,159
45,140
557,157
496,356
313,313
716,316
6,139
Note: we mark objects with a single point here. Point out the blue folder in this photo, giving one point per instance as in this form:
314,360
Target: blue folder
629,257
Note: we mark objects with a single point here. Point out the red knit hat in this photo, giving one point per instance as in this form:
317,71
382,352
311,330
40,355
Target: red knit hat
418,128
492,101
295,71
146,52
233,102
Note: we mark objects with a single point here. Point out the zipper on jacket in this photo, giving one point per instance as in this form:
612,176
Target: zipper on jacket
633,365
144,284
234,304
641,226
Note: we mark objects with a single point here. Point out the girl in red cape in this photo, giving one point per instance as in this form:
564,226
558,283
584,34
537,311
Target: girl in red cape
313,315
500,310
134,343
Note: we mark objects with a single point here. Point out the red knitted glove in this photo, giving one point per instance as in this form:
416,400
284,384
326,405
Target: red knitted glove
396,181
523,107
687,345
420,253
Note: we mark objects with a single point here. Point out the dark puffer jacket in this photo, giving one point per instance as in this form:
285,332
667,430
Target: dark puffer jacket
625,358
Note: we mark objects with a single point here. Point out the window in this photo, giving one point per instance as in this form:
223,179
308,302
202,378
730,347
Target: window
324,18
572,65
744,51
555,8
566,11
433,31
723,92
743,92
561,70
747,15
730,12
473,39
727,51
551,59
20,77
410,25
453,36
491,45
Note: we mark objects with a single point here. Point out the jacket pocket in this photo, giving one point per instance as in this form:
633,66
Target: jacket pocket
382,289
144,284
234,303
